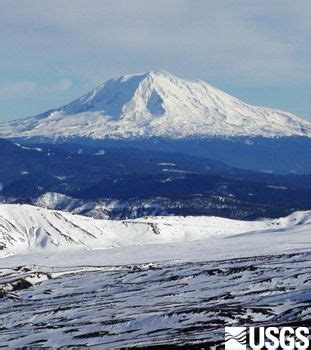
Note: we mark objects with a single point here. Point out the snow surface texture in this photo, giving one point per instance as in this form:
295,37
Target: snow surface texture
172,280
154,304
157,104
25,227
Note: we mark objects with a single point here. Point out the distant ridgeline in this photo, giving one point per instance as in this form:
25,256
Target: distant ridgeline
123,182
279,155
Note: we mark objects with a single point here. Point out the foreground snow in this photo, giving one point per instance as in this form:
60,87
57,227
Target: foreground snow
158,303
168,280
157,104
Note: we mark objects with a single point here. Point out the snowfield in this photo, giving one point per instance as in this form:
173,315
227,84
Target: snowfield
25,227
157,104
164,280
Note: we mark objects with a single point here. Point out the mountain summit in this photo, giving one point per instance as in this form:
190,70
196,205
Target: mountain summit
157,104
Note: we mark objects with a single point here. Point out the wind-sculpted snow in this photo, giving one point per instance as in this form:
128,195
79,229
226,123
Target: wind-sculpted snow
156,303
24,227
157,104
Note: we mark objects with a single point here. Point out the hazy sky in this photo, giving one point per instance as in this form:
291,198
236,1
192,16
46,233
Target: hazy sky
53,51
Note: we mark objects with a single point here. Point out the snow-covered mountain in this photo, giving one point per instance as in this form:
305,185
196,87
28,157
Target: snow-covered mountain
157,104
24,227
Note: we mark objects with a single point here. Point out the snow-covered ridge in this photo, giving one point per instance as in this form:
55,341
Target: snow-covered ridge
24,227
157,104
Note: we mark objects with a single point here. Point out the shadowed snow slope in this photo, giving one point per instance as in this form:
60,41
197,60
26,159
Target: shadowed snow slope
157,104
24,227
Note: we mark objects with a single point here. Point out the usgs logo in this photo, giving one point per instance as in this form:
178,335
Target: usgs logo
271,338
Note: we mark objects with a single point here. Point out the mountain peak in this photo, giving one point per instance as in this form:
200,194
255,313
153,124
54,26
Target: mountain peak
150,74
153,104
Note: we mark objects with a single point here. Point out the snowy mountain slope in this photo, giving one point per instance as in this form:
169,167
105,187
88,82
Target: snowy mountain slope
157,104
24,227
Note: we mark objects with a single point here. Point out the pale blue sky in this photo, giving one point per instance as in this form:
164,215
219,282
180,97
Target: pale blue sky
53,51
